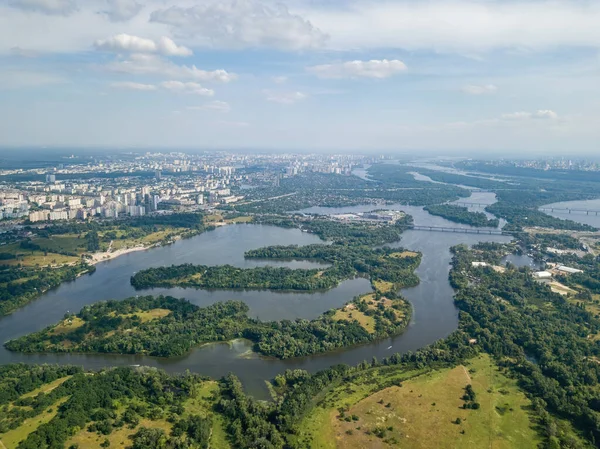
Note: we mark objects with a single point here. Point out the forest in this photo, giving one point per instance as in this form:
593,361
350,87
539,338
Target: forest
460,214
23,284
140,326
346,262
101,406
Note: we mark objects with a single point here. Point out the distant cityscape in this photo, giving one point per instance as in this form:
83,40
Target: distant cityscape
150,183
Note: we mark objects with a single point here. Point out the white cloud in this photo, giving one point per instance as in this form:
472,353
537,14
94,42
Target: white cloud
545,114
122,10
279,79
465,26
284,97
133,86
148,64
542,114
374,68
472,89
241,24
136,44
187,88
217,105
58,7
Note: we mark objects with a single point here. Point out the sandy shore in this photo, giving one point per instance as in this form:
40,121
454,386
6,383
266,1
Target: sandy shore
103,257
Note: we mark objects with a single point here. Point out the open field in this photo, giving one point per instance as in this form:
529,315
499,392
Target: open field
31,258
404,254
349,313
383,287
422,413
46,388
201,405
316,430
118,437
12,438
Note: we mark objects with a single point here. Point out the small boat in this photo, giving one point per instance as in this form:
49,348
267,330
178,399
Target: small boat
390,347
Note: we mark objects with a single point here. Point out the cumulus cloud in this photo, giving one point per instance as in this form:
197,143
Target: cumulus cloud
187,88
472,89
284,97
149,64
217,105
52,7
122,10
241,24
375,68
133,86
136,44
542,114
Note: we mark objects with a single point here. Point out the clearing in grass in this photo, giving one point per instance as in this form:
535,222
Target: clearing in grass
428,411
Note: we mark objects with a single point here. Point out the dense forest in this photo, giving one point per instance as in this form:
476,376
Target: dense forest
165,326
23,284
230,277
392,265
460,214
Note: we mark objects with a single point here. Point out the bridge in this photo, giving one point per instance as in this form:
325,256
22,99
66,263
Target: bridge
485,231
570,210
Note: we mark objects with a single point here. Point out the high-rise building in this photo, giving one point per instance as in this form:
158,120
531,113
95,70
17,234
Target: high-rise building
50,178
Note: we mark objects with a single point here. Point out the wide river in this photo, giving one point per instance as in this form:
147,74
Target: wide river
434,315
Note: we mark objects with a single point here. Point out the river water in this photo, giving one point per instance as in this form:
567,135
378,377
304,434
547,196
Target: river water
434,315
592,219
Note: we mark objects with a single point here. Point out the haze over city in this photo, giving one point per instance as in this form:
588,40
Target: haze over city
300,75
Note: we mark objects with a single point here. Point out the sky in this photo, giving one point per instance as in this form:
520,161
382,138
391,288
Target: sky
362,75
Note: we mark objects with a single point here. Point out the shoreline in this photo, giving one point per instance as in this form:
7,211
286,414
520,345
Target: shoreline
105,257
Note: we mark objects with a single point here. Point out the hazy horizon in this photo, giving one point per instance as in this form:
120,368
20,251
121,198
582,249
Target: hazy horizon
357,75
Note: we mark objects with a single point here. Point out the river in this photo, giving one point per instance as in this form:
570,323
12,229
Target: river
434,315
592,219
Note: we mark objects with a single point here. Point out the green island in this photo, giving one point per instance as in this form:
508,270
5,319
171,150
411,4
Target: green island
460,214
385,264
166,326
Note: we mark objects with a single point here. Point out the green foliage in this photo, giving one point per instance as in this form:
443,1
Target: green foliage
461,214
538,335
23,284
113,327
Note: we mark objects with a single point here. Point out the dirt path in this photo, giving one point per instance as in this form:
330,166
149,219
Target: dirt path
2,446
467,374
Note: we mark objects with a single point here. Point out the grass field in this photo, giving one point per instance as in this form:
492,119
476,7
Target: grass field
351,313
202,404
423,411
383,287
316,429
46,388
118,438
31,258
404,254
12,438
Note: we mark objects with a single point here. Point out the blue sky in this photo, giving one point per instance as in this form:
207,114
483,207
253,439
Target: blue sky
447,75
